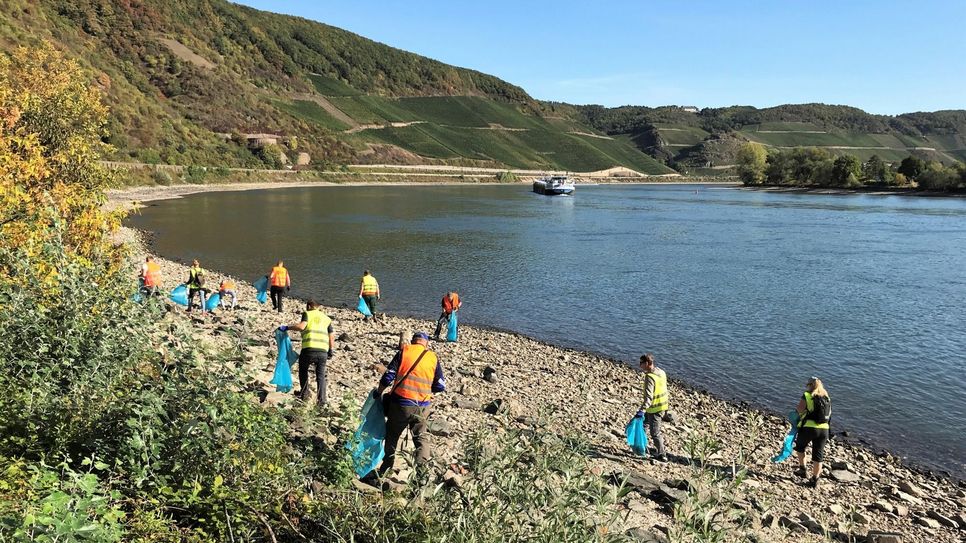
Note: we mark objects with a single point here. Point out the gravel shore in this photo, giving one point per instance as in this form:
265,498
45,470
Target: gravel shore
582,393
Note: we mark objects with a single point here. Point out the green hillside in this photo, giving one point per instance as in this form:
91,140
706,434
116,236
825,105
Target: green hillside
181,74
694,140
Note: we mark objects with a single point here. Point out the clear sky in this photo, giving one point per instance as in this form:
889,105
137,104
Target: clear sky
884,56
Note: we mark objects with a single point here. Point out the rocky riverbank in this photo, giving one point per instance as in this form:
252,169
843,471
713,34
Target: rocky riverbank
498,378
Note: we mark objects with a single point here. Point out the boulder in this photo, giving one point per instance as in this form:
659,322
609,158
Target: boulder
928,522
942,519
876,536
883,506
844,476
858,518
810,523
495,407
439,427
911,489
791,524
489,374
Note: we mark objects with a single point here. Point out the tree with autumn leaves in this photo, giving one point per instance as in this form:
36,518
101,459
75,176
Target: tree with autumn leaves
52,123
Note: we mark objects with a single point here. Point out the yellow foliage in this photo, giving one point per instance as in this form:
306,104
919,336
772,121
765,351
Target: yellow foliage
52,121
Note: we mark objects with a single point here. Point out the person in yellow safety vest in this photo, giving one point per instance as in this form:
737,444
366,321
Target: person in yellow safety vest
814,413
150,277
369,290
414,374
196,285
280,282
317,343
226,289
656,403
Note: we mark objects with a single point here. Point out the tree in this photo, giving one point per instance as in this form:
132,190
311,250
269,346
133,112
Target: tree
911,167
874,170
52,123
846,171
752,159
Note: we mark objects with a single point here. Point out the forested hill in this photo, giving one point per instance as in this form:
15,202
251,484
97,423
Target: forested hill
181,76
712,135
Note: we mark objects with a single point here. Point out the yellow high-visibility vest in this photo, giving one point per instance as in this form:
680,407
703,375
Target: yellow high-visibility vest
315,335
659,403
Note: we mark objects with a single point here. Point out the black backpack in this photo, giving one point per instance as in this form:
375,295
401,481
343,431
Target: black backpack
822,410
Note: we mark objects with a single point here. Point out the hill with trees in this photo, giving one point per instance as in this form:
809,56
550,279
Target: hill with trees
186,81
706,138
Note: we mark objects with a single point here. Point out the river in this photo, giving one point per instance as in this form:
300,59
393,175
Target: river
745,293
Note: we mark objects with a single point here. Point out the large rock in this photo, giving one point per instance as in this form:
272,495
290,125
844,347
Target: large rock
911,489
439,427
843,476
876,536
928,522
495,407
942,519
791,524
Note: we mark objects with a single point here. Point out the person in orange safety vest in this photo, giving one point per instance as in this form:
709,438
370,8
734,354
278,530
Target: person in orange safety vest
414,375
150,277
280,282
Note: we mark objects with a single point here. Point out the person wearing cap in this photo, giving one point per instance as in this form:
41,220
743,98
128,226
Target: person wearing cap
451,303
655,403
413,376
317,344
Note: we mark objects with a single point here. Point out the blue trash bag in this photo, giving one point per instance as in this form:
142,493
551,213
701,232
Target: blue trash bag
262,287
138,297
363,307
212,303
789,439
287,357
636,436
367,443
451,333
179,295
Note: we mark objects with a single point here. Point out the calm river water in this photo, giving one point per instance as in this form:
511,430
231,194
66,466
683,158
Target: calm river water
745,293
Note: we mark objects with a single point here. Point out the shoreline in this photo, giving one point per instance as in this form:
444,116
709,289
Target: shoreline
848,192
121,199
534,376
131,197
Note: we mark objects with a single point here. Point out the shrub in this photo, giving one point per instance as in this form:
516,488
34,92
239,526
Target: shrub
506,177
161,177
195,174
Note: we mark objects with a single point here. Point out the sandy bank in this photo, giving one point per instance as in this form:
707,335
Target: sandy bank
592,396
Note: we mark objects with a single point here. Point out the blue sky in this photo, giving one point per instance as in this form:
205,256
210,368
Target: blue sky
885,56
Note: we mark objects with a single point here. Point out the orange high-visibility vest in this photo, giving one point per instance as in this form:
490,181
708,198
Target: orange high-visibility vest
227,285
418,385
451,303
279,277
152,278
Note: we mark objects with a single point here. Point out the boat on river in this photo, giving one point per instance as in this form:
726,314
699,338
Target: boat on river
554,185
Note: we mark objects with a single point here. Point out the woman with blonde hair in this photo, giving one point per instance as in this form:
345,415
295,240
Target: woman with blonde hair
814,412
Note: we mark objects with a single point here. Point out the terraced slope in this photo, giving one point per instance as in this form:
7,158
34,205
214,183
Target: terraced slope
180,74
707,138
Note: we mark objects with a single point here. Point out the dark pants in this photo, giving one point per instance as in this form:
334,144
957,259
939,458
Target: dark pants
371,302
277,293
652,421
443,319
818,437
398,418
317,359
203,292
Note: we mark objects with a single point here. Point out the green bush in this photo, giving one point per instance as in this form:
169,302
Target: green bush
507,177
195,174
161,177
